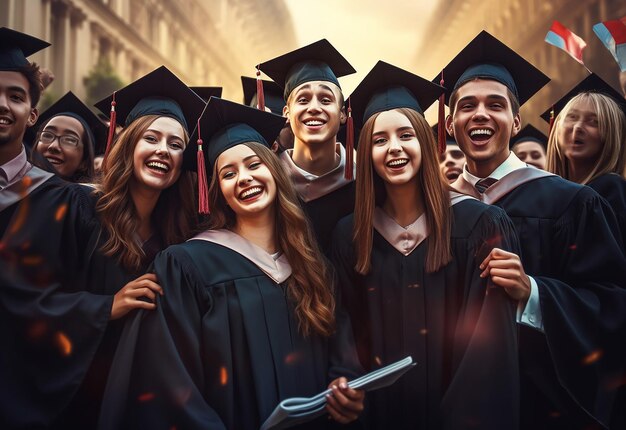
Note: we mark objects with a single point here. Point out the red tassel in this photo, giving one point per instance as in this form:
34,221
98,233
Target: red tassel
349,169
203,186
260,96
441,126
112,125
551,123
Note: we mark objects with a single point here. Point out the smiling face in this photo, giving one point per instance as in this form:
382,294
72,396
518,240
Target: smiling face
396,152
579,134
451,162
66,151
483,124
246,183
16,113
158,155
315,112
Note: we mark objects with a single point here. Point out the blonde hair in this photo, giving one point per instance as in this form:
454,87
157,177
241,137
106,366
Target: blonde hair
370,192
309,286
612,131
175,209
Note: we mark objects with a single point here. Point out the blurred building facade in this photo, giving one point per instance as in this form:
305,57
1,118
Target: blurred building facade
205,42
522,25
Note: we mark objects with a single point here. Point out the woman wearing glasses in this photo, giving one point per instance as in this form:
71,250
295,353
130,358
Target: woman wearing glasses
68,133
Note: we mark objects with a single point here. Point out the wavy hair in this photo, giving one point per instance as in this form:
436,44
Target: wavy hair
308,286
612,130
173,215
370,192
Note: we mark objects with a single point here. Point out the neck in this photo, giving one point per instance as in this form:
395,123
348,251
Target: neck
577,172
484,168
259,229
10,151
317,159
145,200
404,203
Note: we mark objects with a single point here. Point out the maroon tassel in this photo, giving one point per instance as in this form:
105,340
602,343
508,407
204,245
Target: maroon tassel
441,126
112,125
203,186
260,96
349,169
551,123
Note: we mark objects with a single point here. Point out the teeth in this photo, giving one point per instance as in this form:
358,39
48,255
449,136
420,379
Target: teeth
250,192
158,165
314,122
484,131
400,162
4,121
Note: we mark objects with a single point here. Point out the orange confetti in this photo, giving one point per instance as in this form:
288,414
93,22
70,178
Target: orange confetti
146,397
592,358
60,213
223,376
27,181
63,343
20,217
32,260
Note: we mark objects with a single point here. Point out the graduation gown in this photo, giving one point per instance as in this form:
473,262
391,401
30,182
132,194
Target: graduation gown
326,199
567,232
612,187
459,328
223,348
46,236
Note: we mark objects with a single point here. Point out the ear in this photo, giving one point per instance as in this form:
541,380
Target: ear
32,118
517,125
343,117
449,125
286,112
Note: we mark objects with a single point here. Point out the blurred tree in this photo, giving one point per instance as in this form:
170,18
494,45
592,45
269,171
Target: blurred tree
101,81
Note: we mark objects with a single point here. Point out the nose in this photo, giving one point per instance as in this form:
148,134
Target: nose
162,148
4,102
481,112
55,145
394,145
244,177
314,105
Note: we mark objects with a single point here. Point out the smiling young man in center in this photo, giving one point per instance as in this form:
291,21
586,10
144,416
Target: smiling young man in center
315,111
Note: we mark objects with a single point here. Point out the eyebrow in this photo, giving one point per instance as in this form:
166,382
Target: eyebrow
161,133
244,160
55,128
399,129
18,89
489,96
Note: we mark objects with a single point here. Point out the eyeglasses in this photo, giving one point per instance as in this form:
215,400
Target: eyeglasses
66,141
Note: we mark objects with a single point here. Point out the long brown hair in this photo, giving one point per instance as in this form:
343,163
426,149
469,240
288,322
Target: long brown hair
612,130
310,281
174,212
370,191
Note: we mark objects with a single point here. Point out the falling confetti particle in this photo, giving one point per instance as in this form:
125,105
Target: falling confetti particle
146,397
223,376
64,343
60,213
592,358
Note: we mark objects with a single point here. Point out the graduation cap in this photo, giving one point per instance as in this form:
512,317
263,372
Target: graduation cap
72,106
449,139
530,133
159,92
592,83
388,87
205,93
272,92
486,57
226,124
319,61
15,47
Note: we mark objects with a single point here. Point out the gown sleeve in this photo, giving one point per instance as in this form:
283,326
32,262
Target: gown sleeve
483,390
157,377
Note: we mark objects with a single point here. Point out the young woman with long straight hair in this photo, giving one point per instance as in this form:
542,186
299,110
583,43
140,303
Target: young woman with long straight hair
408,262
248,317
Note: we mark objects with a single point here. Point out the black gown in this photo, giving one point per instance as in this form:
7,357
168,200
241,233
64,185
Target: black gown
570,245
223,348
459,328
612,187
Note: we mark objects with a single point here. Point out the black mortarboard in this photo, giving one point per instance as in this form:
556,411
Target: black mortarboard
530,133
449,139
70,105
488,58
206,93
272,91
592,83
319,61
388,87
160,92
225,124
15,47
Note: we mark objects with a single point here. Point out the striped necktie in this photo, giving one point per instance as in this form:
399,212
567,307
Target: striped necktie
483,184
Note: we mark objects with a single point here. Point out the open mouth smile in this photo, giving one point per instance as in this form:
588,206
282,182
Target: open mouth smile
250,193
398,163
158,167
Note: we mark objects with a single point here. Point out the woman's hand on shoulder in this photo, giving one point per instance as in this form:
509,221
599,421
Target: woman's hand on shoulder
344,404
506,270
129,297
